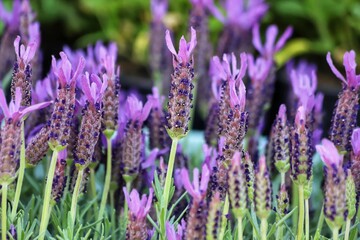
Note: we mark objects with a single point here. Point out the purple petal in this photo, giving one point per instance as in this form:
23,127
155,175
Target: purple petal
271,34
256,38
34,107
3,104
282,40
169,43
205,177
334,69
355,141
187,184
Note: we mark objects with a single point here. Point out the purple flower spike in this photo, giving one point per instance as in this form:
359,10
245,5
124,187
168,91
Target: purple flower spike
352,80
14,110
185,48
355,141
139,208
270,47
170,231
11,19
258,69
135,110
24,54
95,88
304,87
64,72
196,190
329,154
158,9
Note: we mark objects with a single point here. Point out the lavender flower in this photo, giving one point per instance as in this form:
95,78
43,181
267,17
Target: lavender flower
280,139
213,223
158,136
346,108
107,60
237,186
21,76
240,18
180,96
170,231
59,181
61,118
235,122
10,133
133,143
199,16
89,132
301,149
282,202
270,47
351,195
262,197
335,184
11,21
138,209
160,60
196,221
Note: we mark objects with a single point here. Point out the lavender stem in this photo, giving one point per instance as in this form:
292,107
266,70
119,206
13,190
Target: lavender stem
3,210
47,195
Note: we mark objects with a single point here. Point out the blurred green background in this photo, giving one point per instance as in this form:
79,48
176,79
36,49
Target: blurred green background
319,26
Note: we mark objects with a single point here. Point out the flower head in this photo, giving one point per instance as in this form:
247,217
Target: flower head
355,141
138,207
304,87
23,54
259,69
64,71
158,9
352,80
11,19
270,47
197,189
94,88
244,14
171,234
329,153
185,48
14,110
135,110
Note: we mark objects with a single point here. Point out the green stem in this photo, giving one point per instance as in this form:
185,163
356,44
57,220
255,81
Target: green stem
107,179
307,220
75,195
347,229
107,182
294,204
301,213
93,189
47,196
224,218
263,228
169,173
3,211
280,233
113,220
20,176
240,228
335,233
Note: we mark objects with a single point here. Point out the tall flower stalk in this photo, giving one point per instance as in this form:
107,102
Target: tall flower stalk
179,105
335,186
60,124
10,145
